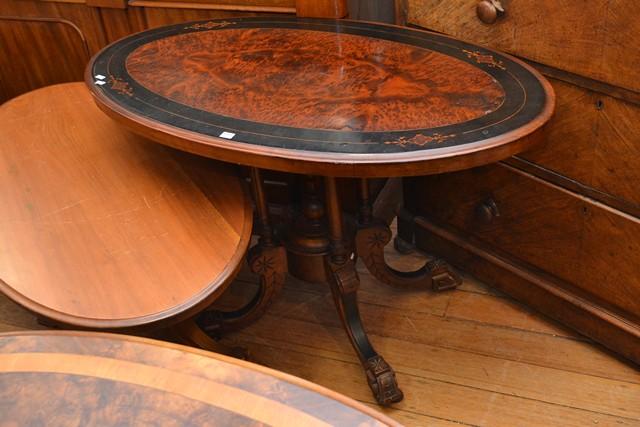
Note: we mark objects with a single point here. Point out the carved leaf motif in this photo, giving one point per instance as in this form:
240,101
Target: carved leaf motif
208,25
120,86
483,58
420,140
378,365
378,240
262,265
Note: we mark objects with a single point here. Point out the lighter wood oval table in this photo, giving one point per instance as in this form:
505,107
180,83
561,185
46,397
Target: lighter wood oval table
97,379
331,98
100,228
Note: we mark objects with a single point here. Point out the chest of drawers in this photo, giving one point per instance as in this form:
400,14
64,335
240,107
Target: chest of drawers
557,227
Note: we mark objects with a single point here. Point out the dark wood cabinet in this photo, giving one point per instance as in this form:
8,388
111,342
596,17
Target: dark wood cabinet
557,227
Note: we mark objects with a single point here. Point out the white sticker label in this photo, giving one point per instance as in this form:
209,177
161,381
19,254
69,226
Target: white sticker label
99,82
227,135
100,77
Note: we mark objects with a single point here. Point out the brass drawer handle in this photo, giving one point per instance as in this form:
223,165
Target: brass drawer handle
489,11
486,211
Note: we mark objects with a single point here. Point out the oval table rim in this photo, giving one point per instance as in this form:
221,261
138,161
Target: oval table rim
292,379
412,163
176,313
173,315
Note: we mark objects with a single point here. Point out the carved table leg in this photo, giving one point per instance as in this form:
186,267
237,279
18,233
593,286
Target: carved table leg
344,283
267,259
371,238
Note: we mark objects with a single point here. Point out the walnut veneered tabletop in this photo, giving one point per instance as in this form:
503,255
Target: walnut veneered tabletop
94,379
329,97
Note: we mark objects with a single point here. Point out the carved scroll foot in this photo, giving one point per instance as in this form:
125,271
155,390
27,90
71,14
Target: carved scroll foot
382,380
370,242
344,282
270,263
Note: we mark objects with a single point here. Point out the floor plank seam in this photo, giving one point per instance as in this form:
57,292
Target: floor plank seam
425,415
585,340
462,350
408,374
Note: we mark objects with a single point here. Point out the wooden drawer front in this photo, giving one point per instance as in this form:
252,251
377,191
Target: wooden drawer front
595,140
588,37
590,246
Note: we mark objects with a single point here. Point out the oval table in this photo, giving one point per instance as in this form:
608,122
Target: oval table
97,379
324,99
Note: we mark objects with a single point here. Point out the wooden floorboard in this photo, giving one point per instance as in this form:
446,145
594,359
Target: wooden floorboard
471,356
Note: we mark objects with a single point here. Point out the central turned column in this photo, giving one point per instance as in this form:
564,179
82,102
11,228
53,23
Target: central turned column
307,240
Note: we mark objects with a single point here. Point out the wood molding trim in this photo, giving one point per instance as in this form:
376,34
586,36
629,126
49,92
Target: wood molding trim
567,183
538,289
64,1
211,6
113,4
587,83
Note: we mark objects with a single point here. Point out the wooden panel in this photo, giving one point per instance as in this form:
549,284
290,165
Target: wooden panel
157,17
247,6
87,19
321,8
367,10
116,4
592,139
621,50
527,208
232,3
610,258
118,23
39,52
565,34
590,246
570,136
616,164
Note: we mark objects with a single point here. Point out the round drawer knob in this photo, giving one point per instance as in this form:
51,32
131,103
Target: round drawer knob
488,11
487,211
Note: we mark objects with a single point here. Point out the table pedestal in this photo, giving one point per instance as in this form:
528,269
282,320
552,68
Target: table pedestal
322,245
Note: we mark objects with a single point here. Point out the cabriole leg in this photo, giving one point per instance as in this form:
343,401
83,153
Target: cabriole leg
371,238
344,282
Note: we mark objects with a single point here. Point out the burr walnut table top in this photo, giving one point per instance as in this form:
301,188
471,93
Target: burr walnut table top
330,97
95,379
101,228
